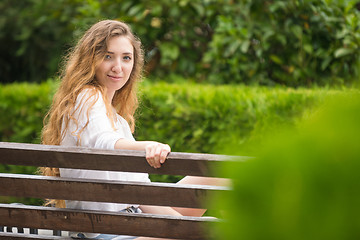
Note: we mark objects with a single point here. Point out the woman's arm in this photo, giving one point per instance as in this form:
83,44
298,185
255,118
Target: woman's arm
159,210
156,152
99,133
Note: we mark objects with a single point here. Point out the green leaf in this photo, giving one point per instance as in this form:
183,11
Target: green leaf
297,30
276,59
245,46
308,48
199,8
343,52
325,63
135,10
282,39
232,48
169,52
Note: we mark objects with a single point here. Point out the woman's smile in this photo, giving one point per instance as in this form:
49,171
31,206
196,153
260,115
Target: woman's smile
115,78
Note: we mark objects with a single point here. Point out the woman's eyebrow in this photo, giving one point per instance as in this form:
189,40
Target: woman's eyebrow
125,53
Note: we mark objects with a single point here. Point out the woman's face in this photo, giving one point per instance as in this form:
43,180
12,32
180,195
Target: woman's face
114,71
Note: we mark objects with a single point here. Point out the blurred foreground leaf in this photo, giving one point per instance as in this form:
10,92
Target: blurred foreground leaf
304,182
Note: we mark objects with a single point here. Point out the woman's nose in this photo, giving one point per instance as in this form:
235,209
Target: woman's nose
117,67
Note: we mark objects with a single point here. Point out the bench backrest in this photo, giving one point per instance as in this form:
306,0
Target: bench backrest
162,194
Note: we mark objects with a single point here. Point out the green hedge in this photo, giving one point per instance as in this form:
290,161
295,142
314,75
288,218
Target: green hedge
304,182
202,118
190,117
23,107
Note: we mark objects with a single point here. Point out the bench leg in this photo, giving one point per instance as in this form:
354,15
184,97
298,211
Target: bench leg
33,231
9,229
20,230
56,232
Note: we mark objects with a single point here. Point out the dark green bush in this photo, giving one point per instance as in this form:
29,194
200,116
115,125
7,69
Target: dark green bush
35,33
303,183
293,43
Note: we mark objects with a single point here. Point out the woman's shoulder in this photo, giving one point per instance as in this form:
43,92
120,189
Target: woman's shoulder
90,95
89,103
89,92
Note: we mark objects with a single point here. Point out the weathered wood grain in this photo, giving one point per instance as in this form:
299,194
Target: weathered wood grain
102,222
190,164
161,194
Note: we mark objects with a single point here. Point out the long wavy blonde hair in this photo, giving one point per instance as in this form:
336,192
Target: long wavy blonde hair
79,73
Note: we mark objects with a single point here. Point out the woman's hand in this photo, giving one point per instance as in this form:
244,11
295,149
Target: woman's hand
156,153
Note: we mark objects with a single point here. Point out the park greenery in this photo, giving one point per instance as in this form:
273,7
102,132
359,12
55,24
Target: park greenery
250,77
291,43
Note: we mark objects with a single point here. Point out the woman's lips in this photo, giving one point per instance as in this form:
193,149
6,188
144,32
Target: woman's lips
114,77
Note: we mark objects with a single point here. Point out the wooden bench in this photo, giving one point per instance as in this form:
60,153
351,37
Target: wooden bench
155,193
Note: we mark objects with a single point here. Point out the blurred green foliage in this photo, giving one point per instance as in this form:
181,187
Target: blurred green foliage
292,43
303,182
23,107
200,118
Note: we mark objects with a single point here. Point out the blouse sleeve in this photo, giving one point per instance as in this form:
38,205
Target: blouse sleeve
99,132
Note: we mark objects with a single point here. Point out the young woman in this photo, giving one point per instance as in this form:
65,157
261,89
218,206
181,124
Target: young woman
94,107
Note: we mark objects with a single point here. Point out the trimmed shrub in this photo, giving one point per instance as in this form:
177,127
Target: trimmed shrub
23,107
200,118
190,117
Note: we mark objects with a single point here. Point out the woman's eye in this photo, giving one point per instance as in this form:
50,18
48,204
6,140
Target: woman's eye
127,58
107,56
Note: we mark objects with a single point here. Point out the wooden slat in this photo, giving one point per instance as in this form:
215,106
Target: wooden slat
16,236
112,160
111,223
162,194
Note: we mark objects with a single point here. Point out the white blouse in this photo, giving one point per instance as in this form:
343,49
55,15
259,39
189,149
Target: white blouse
99,133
